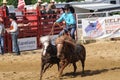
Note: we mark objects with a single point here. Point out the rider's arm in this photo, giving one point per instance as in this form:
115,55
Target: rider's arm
60,19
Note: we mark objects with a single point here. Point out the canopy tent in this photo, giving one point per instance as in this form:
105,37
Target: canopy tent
81,8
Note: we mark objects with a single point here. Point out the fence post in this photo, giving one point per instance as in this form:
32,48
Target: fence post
7,36
38,28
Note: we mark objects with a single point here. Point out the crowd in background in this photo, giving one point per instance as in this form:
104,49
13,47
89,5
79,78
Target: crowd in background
49,9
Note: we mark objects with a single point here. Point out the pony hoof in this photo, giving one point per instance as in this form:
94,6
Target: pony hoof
83,72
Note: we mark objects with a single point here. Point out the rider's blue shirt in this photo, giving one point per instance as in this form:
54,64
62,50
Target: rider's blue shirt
69,18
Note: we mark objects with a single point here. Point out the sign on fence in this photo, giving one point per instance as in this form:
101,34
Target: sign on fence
101,27
29,43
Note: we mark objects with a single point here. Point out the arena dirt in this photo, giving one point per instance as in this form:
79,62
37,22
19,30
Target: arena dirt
102,63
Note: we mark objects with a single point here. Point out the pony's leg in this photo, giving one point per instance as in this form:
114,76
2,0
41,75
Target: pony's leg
83,65
51,65
58,66
75,67
47,66
41,71
62,66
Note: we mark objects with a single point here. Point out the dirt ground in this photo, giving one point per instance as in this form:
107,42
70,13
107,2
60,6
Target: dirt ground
102,63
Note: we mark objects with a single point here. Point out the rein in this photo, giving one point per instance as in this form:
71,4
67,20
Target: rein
52,31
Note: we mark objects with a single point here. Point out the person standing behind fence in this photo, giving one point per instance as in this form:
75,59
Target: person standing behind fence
13,30
38,5
43,12
43,9
51,9
2,31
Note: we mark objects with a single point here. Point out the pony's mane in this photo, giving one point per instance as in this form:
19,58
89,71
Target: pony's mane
70,43
63,38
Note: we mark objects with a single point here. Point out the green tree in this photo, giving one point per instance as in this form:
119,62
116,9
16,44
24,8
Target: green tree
13,2
10,2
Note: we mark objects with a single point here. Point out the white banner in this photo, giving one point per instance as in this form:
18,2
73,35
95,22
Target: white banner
103,27
27,43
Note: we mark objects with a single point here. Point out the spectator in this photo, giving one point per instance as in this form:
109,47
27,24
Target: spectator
43,11
2,31
51,7
38,5
5,7
13,30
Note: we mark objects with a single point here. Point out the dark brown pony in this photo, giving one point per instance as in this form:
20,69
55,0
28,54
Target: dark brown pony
49,59
69,52
48,56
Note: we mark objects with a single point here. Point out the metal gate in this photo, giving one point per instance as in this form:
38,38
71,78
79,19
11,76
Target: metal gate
32,25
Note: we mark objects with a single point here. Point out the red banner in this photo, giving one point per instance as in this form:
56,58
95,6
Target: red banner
21,4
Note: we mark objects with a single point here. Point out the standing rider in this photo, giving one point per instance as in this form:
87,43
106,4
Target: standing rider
70,21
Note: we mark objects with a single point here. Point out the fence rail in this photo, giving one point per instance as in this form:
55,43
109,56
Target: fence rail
32,25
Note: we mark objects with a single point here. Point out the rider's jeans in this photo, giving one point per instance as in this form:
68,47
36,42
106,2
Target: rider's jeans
72,30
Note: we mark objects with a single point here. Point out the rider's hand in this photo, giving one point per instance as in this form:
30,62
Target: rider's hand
61,27
64,22
54,23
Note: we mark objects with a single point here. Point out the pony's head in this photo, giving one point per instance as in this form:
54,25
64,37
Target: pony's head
45,40
49,48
